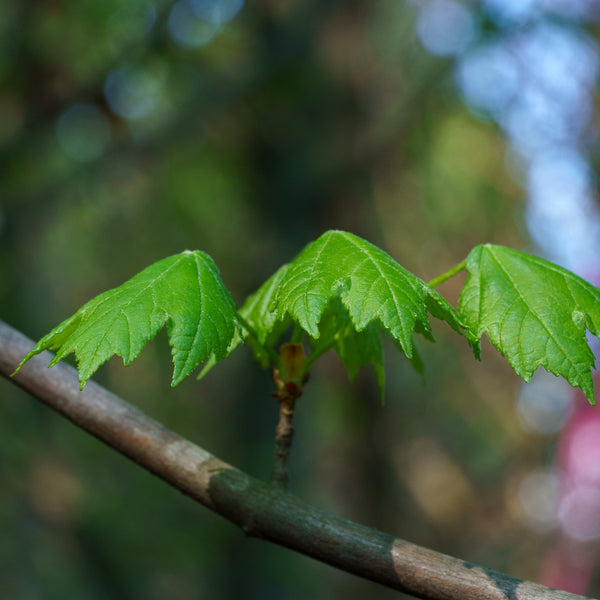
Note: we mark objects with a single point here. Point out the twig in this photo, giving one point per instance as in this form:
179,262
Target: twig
284,434
290,379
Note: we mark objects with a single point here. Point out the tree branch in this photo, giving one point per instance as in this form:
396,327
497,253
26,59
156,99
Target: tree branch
261,510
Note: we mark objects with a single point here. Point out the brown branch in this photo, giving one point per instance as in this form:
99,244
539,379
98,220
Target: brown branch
289,379
261,510
284,435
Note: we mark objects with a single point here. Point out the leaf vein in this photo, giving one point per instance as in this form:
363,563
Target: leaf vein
530,310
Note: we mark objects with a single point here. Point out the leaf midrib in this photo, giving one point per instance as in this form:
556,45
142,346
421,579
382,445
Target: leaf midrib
381,275
185,367
123,308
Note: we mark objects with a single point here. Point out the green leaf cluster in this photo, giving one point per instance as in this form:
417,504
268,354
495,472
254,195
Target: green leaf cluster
340,292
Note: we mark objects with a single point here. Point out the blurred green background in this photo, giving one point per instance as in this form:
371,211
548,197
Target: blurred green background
131,130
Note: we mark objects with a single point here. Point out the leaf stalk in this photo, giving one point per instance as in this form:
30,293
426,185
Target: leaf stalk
461,266
297,334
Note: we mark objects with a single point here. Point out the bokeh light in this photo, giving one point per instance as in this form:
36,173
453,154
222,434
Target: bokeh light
217,11
194,23
562,198
445,27
544,404
83,132
536,83
538,497
488,78
136,91
187,28
511,12
578,509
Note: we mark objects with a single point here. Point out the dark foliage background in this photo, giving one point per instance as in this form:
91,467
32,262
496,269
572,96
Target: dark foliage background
131,130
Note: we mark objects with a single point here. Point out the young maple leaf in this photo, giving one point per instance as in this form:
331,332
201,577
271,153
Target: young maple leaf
533,311
184,291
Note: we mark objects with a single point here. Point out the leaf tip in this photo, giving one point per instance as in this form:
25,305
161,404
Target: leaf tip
18,368
25,359
587,387
474,342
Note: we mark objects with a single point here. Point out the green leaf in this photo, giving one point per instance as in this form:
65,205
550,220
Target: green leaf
355,348
534,312
342,291
184,291
258,313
